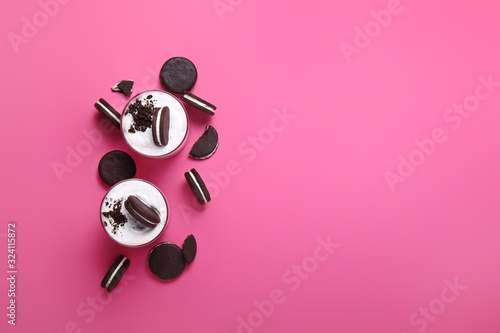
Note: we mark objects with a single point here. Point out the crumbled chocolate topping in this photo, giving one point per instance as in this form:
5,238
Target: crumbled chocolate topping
142,114
115,216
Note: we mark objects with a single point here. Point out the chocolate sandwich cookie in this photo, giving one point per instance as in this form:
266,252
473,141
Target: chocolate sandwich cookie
189,249
115,273
116,166
167,261
108,111
199,103
206,145
142,212
178,75
124,86
197,186
161,126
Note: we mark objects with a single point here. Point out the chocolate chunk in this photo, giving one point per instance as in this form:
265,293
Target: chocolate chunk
189,248
124,86
199,103
206,145
108,111
116,166
161,125
142,212
178,75
166,261
198,187
115,273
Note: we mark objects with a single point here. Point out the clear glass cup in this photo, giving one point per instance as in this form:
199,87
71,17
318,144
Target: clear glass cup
132,233
142,142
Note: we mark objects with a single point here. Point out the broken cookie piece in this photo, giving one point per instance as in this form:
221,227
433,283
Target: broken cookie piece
206,145
124,86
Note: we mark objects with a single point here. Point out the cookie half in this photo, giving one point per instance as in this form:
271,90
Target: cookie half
142,212
161,126
115,273
166,261
198,187
206,145
199,103
108,111
178,75
189,249
116,166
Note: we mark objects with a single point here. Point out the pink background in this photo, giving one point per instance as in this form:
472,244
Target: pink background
318,175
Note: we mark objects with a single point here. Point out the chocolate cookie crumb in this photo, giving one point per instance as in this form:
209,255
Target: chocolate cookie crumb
142,114
115,216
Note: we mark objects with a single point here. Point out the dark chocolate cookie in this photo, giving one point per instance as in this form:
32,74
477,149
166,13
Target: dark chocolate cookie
199,103
178,75
142,212
161,126
115,273
116,166
198,187
166,261
106,109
